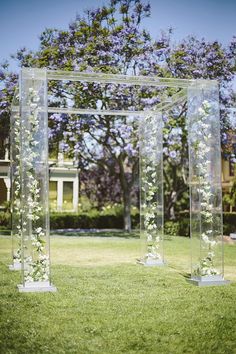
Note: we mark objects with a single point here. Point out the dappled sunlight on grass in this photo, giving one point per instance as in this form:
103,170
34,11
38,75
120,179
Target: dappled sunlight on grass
105,249
97,251
106,303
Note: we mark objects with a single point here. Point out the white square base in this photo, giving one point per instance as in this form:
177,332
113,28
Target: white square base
214,280
15,266
233,236
152,262
37,286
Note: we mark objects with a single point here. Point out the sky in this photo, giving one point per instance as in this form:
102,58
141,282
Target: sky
22,21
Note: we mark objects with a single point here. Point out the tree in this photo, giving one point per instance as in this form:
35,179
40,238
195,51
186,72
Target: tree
100,187
193,58
8,83
110,39
230,198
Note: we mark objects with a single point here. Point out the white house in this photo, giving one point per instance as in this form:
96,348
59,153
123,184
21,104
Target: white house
63,184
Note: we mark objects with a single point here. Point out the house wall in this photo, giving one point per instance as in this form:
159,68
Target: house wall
64,182
65,178
228,178
67,173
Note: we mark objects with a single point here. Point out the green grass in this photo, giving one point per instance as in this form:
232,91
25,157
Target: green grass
108,304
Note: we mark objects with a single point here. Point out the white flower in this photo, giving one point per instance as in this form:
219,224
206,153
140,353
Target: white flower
206,105
201,111
38,230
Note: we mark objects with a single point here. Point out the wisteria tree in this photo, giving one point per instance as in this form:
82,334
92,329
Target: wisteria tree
8,82
111,39
193,58
108,39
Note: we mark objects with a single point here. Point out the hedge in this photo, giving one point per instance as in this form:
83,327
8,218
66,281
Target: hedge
90,220
5,220
177,228
85,221
96,220
229,222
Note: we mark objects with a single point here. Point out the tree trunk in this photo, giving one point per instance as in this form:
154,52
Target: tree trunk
126,190
127,210
173,198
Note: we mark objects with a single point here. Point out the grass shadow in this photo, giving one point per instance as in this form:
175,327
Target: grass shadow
96,233
182,273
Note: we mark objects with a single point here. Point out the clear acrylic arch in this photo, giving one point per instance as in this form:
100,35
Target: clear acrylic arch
29,170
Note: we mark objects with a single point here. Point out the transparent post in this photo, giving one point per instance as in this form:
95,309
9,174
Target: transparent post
151,189
15,186
205,186
35,250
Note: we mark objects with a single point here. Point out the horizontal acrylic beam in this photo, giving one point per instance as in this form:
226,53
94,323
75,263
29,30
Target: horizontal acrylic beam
127,80
163,106
96,111
177,98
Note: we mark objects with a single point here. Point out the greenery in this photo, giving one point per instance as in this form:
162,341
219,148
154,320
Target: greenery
229,220
230,198
90,220
96,220
111,39
112,218
171,228
5,220
108,304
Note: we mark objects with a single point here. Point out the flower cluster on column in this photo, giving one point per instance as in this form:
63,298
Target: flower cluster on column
36,261
151,187
200,137
16,186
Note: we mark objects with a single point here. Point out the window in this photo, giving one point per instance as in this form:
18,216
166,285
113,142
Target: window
231,168
67,195
53,194
232,163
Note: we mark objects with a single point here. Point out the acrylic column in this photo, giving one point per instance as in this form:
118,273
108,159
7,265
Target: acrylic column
205,185
35,250
15,185
151,189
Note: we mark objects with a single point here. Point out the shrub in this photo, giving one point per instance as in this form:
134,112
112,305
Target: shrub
114,219
177,228
5,220
171,228
184,226
90,220
107,219
229,222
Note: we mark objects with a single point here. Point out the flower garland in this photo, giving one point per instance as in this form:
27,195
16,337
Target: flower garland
200,141
37,264
16,185
151,209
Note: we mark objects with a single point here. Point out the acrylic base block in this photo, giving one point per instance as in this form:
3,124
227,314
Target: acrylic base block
214,280
150,262
38,286
15,266
154,263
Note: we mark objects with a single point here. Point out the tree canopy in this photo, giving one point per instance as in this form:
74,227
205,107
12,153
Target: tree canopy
111,39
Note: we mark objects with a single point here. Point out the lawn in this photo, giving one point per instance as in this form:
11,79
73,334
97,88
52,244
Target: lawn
106,303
